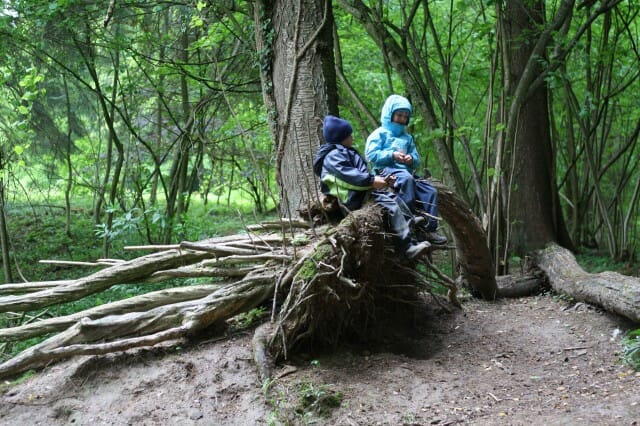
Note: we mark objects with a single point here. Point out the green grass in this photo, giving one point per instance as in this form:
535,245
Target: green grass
595,262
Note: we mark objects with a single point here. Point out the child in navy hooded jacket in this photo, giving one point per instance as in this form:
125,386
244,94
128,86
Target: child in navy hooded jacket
344,174
392,151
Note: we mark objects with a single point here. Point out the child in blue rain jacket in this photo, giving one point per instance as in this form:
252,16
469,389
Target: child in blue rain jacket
392,151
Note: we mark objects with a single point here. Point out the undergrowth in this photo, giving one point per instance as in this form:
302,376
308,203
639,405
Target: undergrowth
631,353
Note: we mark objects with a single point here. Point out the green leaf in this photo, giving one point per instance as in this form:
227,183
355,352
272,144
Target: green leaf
29,95
196,22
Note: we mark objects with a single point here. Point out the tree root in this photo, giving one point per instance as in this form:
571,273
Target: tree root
323,288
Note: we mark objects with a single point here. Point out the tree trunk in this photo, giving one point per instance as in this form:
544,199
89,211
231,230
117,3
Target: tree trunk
614,292
534,214
69,145
4,234
179,168
298,77
108,111
473,255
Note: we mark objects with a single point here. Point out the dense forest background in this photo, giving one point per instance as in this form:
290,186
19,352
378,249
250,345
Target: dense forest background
143,115
140,142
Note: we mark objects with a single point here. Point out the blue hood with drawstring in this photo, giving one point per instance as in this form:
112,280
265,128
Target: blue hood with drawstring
391,105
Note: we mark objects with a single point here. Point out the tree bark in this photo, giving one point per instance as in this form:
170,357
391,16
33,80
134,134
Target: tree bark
614,292
535,217
131,271
474,257
4,234
295,42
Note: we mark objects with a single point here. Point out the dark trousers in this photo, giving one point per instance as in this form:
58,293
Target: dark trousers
398,216
417,193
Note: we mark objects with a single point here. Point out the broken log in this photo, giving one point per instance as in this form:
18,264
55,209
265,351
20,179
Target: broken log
513,287
611,291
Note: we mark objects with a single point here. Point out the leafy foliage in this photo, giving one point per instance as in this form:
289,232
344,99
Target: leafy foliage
317,399
631,345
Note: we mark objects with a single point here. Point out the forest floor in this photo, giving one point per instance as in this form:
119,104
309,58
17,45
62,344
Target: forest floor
530,361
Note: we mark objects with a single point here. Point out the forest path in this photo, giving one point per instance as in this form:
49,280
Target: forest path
537,360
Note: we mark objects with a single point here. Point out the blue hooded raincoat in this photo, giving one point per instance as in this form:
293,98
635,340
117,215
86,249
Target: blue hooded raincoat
417,193
392,137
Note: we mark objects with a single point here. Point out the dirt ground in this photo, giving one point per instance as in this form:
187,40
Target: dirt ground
540,361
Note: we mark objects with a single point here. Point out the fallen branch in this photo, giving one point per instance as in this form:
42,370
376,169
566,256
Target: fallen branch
131,271
614,292
19,288
71,263
150,327
133,304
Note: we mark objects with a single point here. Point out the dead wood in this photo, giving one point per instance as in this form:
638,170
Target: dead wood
325,284
131,271
511,287
19,288
473,255
612,291
99,262
340,284
139,303
247,267
136,329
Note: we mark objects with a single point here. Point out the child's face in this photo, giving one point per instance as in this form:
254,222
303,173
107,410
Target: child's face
348,142
400,117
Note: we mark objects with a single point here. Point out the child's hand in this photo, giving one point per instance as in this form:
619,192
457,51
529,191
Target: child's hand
403,158
390,180
379,182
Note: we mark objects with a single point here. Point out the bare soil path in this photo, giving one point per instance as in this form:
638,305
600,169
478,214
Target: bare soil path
533,361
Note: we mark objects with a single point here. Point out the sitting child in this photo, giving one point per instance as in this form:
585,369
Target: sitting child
344,174
392,151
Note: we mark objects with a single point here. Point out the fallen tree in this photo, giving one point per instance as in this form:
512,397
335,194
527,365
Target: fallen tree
321,283
292,268
611,291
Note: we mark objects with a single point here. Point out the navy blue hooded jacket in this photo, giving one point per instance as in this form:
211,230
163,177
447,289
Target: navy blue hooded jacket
343,174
